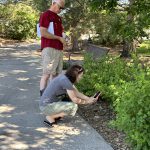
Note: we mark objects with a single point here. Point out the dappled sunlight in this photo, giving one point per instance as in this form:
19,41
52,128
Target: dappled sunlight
73,56
8,48
10,142
6,108
2,74
5,115
23,89
24,54
18,145
32,64
23,79
18,58
58,130
58,133
2,125
12,132
42,129
18,71
58,142
39,68
14,137
32,61
39,143
20,54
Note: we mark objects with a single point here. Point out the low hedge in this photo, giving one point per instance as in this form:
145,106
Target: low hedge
126,84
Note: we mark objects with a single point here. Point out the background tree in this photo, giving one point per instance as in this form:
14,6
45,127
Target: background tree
74,18
137,19
18,21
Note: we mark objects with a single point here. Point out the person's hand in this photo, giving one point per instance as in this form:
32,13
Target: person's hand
92,100
63,41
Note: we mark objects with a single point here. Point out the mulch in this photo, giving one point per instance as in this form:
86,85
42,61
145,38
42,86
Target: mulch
99,116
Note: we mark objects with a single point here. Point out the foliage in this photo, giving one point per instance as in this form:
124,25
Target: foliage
21,23
104,4
40,5
137,19
5,14
137,13
133,110
126,84
74,21
144,47
65,65
108,28
105,75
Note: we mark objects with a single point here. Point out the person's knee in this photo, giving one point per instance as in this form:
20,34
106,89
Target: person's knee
74,109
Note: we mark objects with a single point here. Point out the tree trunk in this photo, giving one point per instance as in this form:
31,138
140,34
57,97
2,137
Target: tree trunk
128,45
75,46
126,49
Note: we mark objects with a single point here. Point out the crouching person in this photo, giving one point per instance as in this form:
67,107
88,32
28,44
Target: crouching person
51,103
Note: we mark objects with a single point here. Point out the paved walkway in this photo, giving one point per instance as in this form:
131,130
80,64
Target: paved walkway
21,123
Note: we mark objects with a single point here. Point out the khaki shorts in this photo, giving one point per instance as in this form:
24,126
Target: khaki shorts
69,108
52,61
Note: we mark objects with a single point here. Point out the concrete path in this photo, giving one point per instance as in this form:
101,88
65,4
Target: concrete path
21,123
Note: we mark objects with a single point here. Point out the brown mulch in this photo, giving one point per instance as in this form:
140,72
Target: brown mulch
99,116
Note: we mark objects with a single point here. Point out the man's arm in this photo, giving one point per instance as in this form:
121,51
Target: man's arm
46,34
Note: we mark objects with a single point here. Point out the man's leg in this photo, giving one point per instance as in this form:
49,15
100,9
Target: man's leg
43,83
47,62
60,63
51,61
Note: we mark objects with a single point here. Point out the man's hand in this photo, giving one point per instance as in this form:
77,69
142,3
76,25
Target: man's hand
63,41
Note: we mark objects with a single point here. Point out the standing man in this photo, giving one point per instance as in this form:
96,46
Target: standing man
52,42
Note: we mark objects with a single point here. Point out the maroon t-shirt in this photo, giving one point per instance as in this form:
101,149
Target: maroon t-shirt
45,19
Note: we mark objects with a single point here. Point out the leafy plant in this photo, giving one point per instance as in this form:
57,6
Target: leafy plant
21,23
133,111
144,48
126,84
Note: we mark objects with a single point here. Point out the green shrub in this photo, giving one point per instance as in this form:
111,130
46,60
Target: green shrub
5,14
133,111
65,65
144,48
106,75
22,23
127,85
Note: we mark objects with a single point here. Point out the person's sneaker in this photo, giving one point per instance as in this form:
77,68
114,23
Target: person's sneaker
58,119
46,122
41,92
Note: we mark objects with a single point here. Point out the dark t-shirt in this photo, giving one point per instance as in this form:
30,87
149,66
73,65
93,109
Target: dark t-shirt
45,19
56,87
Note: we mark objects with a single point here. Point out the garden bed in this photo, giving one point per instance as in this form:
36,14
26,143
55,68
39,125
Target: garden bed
98,116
